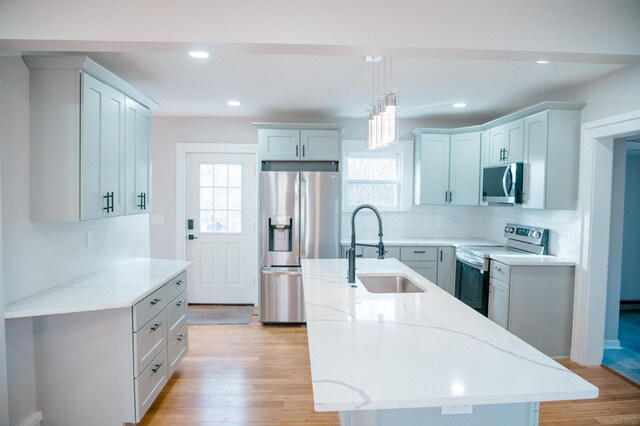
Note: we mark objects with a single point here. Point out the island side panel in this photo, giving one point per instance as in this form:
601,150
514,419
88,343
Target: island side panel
84,372
523,414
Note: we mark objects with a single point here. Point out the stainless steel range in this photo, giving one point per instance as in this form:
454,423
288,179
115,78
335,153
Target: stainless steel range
472,262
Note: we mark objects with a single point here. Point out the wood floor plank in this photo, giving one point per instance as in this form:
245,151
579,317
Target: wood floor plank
259,375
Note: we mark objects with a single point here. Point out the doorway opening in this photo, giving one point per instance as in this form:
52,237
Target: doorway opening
622,326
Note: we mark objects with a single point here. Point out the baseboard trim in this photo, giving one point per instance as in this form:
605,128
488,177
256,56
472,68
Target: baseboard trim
33,420
612,344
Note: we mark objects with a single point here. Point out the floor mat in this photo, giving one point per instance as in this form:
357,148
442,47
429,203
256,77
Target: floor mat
219,314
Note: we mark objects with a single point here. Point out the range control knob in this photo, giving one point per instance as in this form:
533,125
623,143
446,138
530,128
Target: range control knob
536,234
509,230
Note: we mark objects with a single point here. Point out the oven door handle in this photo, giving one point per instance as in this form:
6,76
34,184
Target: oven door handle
475,265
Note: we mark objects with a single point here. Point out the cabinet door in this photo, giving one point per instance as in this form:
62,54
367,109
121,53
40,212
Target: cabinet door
447,269
484,162
497,145
429,270
279,144
514,134
320,145
112,151
464,172
535,179
498,303
432,185
101,150
137,158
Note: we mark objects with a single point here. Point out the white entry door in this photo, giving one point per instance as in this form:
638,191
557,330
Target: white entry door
221,211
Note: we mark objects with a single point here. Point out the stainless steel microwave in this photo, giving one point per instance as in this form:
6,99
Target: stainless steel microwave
503,184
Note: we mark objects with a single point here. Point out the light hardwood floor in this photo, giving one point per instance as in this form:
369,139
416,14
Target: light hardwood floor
257,375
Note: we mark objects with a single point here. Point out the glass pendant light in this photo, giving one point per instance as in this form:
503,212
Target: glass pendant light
390,120
382,119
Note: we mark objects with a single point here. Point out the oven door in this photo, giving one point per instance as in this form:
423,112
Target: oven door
472,286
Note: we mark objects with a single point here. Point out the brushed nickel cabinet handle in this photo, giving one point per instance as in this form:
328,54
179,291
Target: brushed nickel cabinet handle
157,367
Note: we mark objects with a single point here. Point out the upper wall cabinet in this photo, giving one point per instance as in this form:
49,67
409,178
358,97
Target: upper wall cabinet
291,142
89,141
506,143
447,169
552,151
137,142
545,137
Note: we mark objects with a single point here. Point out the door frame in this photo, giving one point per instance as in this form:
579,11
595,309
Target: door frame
182,150
594,207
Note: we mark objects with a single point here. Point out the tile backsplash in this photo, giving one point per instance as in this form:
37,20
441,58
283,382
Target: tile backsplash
470,222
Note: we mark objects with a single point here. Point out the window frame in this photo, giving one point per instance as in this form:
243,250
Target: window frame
402,151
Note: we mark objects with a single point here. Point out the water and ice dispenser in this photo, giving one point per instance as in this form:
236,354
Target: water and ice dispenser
280,235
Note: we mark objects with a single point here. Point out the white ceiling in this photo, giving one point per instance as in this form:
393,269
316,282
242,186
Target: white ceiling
305,60
338,86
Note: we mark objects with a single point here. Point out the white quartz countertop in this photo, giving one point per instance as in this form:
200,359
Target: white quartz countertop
531,260
382,351
118,286
454,242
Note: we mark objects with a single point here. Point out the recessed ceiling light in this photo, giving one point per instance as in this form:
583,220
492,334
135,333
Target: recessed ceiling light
233,103
199,54
459,105
542,61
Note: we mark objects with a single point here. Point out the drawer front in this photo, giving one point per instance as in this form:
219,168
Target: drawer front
149,341
149,307
177,348
176,314
418,254
176,285
500,271
149,384
389,252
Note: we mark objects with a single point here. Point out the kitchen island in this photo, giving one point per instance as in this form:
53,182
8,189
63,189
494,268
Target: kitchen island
419,358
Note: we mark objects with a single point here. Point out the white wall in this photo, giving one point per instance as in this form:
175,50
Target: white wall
38,256
630,279
612,94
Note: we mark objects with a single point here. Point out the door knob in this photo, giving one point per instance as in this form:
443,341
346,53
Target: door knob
192,237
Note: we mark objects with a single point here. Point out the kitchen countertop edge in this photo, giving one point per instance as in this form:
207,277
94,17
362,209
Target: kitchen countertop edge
74,297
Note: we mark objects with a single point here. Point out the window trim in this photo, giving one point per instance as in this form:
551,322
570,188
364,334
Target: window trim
404,152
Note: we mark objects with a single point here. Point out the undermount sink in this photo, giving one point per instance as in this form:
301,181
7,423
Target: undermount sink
377,283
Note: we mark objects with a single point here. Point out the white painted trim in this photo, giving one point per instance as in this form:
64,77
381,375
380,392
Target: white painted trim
594,206
33,420
612,344
182,149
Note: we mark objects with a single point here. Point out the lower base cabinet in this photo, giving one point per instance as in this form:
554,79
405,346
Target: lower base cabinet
534,303
106,367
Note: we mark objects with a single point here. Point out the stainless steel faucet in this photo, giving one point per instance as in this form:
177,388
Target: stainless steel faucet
351,253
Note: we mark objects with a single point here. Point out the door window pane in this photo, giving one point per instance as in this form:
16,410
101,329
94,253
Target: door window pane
221,198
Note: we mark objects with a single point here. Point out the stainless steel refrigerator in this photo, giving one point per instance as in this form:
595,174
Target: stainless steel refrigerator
299,219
